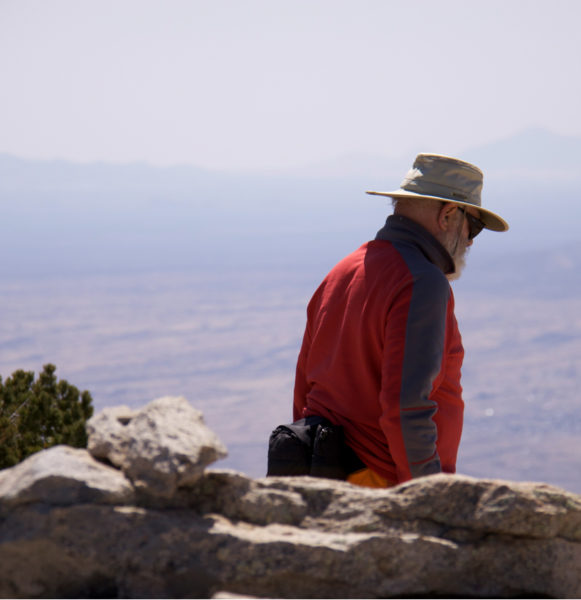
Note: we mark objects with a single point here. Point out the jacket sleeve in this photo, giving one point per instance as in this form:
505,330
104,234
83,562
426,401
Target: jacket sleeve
414,353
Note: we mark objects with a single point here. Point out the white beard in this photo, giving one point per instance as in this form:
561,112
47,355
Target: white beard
459,262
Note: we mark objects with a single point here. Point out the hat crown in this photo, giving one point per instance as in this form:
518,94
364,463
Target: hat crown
444,177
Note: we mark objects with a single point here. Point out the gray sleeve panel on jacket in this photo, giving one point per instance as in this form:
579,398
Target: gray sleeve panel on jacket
422,361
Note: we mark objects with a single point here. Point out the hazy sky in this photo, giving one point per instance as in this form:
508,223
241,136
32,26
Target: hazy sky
276,83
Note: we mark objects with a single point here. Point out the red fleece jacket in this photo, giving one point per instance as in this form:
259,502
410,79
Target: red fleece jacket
382,354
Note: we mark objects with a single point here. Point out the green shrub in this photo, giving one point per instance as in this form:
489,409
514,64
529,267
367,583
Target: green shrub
38,414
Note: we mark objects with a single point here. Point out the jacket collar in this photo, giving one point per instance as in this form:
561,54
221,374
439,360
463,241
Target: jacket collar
401,229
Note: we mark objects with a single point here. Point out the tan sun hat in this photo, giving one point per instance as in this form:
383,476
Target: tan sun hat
446,179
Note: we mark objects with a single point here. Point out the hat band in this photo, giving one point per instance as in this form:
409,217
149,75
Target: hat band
436,189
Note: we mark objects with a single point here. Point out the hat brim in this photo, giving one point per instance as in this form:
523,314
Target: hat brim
491,220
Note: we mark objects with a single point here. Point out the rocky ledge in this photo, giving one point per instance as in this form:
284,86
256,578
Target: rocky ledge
139,515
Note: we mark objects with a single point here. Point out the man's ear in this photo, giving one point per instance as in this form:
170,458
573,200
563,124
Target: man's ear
445,216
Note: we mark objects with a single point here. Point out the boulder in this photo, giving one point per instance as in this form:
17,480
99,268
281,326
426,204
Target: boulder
160,448
63,476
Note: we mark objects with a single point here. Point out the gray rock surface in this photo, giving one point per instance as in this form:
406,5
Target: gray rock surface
163,446
223,534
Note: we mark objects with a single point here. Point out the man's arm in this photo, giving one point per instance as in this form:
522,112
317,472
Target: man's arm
413,359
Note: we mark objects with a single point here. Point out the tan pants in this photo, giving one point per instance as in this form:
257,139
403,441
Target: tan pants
368,478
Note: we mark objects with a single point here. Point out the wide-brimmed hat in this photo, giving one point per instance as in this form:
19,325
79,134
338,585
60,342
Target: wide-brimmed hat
438,177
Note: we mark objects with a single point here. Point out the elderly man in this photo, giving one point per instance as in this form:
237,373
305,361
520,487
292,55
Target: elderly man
381,353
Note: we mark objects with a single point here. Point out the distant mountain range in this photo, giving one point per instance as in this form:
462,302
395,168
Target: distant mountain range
523,154
531,153
66,216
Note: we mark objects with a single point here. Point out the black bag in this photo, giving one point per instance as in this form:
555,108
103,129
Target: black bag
329,449
311,446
